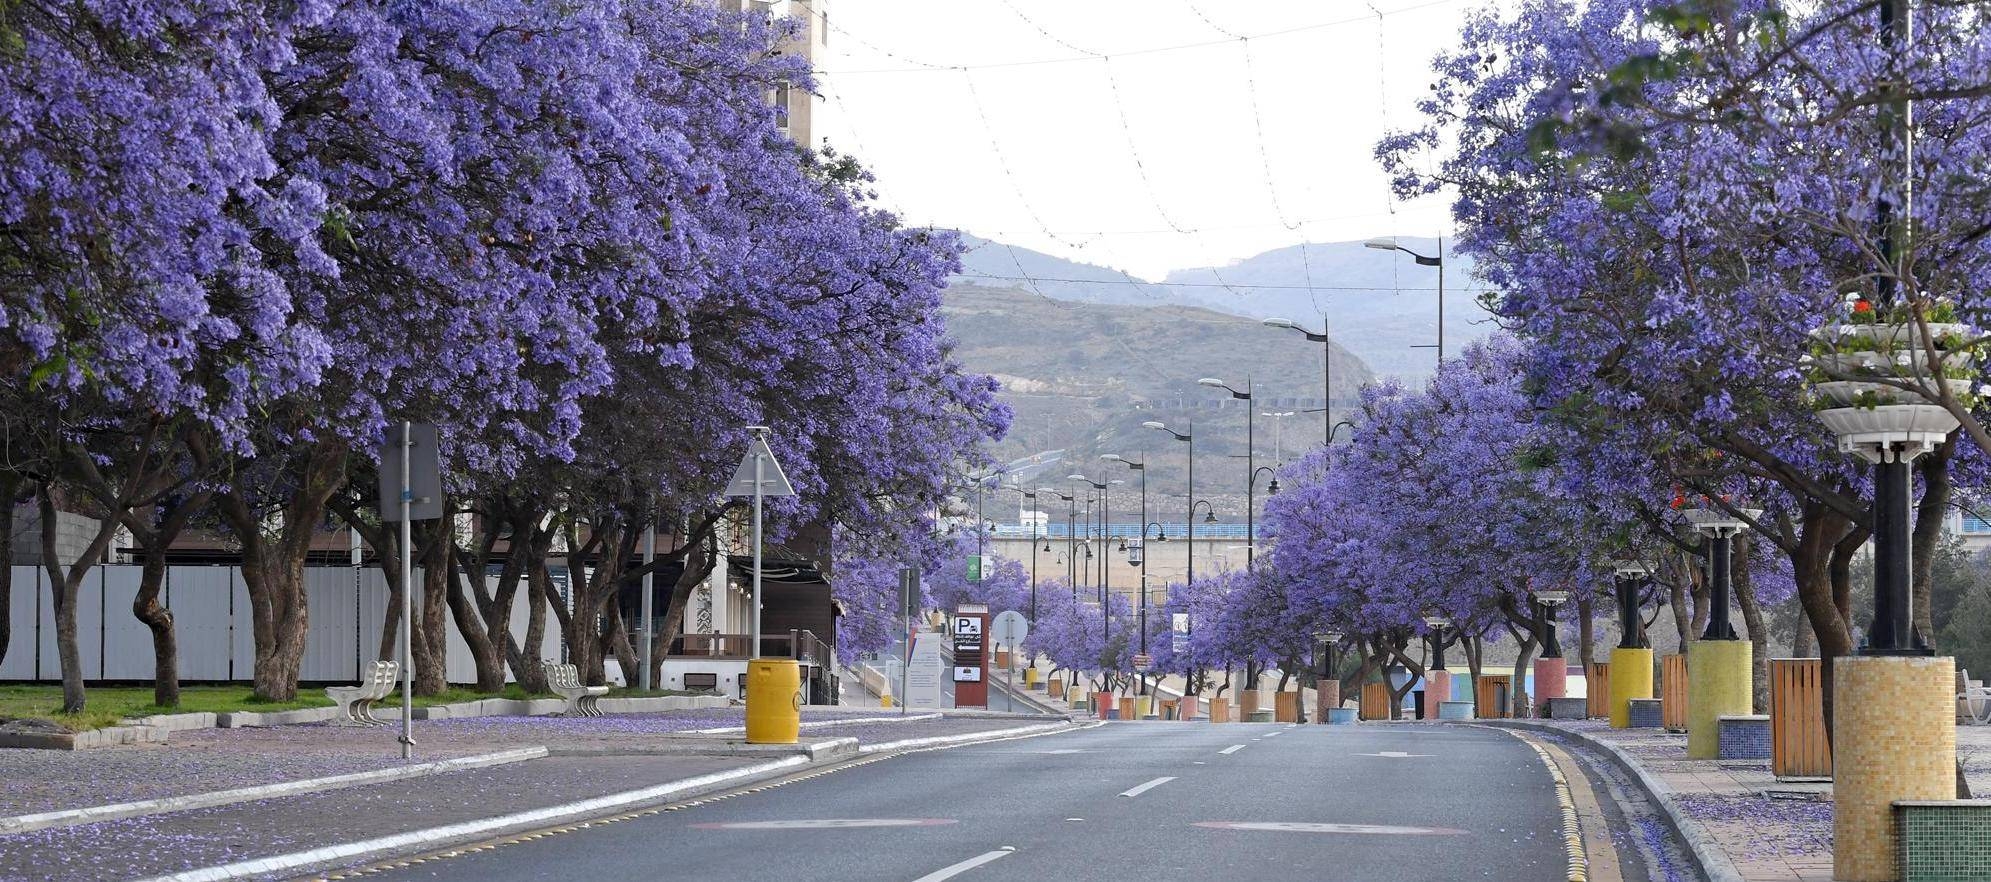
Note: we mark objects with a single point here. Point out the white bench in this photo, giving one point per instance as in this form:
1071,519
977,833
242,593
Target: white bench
356,702
1973,700
565,681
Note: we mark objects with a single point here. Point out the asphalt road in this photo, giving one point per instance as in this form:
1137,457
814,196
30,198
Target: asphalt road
1140,801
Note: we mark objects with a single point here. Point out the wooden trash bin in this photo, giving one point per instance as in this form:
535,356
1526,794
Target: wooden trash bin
1798,746
1493,696
1168,706
1129,708
1285,707
1375,701
1673,691
1597,679
1057,688
1220,711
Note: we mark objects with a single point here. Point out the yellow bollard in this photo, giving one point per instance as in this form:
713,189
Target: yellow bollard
1630,677
1030,677
774,701
1721,683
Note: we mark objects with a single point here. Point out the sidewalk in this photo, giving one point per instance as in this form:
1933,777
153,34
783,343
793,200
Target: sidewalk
592,758
1769,830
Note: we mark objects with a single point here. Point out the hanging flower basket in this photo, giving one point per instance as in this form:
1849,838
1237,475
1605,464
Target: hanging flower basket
1895,336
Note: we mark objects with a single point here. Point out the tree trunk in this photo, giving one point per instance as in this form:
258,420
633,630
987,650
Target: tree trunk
63,587
486,653
539,593
1928,534
273,566
1586,632
1677,599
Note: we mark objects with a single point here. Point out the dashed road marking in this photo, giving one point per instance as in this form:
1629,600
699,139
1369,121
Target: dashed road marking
823,823
1304,827
952,870
1148,786
1231,749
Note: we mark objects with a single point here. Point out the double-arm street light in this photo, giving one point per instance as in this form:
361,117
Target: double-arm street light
1141,467
1036,516
1388,243
1189,439
1250,452
1326,366
1071,549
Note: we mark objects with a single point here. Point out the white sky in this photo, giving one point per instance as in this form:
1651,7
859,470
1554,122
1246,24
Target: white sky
1060,174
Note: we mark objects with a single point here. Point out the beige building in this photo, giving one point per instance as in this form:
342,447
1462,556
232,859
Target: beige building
799,108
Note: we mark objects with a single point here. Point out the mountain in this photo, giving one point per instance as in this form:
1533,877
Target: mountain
1381,305
1083,376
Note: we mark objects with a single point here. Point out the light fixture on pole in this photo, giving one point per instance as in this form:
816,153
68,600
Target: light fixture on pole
1389,243
1721,661
1250,459
1326,368
1189,439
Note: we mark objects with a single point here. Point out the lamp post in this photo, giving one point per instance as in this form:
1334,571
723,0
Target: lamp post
1326,369
1551,669
1327,684
1388,243
1250,462
1139,556
1071,548
1722,682
1437,681
1631,661
1105,573
1189,439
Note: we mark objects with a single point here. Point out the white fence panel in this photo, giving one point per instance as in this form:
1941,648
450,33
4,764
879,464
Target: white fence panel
372,612
90,623
49,667
331,649
127,641
199,598
242,629
23,612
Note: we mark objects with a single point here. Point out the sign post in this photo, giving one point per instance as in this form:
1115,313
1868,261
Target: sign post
770,718
410,474
1011,629
969,626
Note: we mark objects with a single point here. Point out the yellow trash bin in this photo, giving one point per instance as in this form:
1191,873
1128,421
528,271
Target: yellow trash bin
774,701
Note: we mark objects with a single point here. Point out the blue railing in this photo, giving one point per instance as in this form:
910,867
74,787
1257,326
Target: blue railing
1058,530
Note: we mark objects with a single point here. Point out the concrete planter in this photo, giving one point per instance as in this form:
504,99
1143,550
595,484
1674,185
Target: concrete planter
1455,710
1645,713
1743,737
1220,711
1264,716
1568,708
1341,716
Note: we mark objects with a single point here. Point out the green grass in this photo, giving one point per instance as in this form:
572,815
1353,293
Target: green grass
106,705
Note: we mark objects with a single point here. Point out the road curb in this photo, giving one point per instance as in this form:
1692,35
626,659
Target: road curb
1714,863
211,799
297,862
966,738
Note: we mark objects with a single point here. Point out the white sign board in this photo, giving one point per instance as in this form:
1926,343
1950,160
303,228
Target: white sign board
923,673
968,674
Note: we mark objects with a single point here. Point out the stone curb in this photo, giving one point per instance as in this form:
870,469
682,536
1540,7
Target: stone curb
1714,863
819,724
966,738
109,736
143,807
826,749
437,836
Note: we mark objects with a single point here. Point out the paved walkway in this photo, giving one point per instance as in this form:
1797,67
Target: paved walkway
1771,830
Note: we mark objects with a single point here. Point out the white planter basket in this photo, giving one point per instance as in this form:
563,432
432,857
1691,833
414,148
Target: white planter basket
1846,392
1868,431
1895,336
1907,363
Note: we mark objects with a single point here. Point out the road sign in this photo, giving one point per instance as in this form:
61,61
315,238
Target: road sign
424,473
1143,661
771,481
1011,629
967,674
968,625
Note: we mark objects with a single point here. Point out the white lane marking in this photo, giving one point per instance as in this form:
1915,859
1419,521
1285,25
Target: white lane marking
824,823
1231,749
949,872
1149,786
1273,734
1201,763
1298,827
1395,754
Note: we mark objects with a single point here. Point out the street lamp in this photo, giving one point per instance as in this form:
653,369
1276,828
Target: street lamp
1139,556
1630,673
1071,547
1189,439
1327,684
1278,433
1326,366
1250,462
1388,243
1551,671
1105,489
